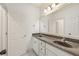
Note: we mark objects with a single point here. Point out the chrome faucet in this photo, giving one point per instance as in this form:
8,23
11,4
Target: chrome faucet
40,35
63,39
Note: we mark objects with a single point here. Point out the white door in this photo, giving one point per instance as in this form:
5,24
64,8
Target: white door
0,30
3,29
17,39
60,27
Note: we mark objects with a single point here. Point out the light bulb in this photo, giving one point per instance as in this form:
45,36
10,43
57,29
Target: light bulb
45,10
53,5
48,8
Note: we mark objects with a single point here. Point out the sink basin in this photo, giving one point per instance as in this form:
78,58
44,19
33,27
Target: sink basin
63,44
40,36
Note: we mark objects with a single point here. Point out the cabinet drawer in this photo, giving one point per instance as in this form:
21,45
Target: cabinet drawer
57,51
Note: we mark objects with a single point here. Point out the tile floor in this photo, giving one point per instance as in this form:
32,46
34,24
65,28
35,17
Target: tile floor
29,53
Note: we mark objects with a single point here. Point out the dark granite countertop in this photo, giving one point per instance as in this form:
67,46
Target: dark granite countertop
50,40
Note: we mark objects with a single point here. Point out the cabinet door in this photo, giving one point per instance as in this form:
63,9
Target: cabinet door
35,45
42,51
42,48
57,51
50,53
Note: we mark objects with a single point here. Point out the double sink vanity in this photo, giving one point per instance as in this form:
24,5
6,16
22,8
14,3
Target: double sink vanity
58,32
52,45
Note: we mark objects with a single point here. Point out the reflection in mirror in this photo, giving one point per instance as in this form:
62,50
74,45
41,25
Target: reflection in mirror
60,26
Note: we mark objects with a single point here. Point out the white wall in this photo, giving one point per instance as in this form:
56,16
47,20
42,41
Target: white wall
21,18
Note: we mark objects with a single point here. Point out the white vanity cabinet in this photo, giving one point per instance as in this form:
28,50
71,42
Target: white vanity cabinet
50,53
38,46
42,48
53,51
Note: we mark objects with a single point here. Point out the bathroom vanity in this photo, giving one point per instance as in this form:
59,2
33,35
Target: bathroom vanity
46,45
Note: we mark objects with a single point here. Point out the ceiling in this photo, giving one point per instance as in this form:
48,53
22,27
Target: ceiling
20,8
41,5
38,5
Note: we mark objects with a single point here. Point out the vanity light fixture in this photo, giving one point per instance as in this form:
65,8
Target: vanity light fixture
53,5
49,8
45,10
